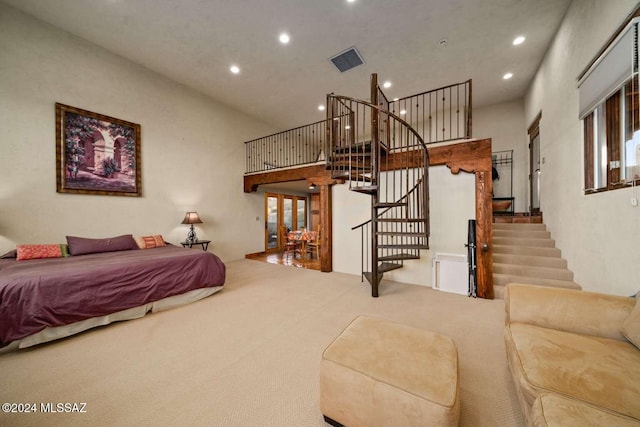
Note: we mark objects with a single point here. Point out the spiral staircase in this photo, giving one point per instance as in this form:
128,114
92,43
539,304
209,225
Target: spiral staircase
380,154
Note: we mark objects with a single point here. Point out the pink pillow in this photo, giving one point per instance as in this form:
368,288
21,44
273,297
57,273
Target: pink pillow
81,245
25,252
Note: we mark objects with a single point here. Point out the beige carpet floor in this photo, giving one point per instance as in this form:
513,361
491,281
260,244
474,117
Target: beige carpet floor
249,355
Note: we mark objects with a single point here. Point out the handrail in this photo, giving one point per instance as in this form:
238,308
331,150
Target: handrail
292,147
398,118
285,131
430,91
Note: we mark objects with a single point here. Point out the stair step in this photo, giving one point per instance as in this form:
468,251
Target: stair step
398,257
402,233
388,266
533,234
525,250
504,279
353,166
366,189
355,148
401,220
529,271
354,176
368,276
346,155
531,242
401,246
519,226
390,204
529,260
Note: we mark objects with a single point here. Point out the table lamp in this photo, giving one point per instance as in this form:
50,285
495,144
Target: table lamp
192,218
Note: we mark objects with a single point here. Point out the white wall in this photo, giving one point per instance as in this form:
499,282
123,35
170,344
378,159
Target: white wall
504,124
598,233
192,147
452,204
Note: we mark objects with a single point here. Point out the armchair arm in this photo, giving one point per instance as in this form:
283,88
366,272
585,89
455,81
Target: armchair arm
569,310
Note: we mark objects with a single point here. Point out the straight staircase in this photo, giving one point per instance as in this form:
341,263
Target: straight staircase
525,253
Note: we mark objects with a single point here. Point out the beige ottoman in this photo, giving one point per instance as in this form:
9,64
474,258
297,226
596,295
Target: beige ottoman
380,373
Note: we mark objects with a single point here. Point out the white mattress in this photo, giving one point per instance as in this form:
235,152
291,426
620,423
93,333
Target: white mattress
54,333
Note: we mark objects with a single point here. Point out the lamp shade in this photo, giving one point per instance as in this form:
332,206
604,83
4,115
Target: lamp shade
191,218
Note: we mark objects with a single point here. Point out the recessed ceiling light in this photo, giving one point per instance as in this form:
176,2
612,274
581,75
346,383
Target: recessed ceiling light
403,112
347,127
518,40
386,84
234,69
395,99
321,107
507,76
284,38
351,1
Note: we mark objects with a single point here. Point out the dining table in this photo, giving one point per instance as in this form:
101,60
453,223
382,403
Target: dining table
303,236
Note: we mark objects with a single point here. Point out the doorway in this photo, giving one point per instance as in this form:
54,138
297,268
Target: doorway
282,211
534,166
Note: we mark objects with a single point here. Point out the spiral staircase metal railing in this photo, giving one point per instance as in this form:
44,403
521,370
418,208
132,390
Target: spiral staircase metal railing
383,156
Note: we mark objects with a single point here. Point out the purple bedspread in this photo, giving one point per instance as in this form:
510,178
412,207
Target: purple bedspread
35,294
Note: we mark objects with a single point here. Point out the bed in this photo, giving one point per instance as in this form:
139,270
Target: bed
46,299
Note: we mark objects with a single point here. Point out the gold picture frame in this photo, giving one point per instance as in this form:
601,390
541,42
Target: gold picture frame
96,154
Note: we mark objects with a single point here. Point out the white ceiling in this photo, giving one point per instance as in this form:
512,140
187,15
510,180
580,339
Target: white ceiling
195,42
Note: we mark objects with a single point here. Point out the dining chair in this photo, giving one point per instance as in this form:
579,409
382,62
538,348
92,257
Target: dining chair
290,245
315,243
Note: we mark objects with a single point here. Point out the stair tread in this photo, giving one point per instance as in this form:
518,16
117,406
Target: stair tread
398,257
503,279
527,250
361,147
533,271
525,241
388,266
390,204
402,233
402,219
401,246
366,189
529,260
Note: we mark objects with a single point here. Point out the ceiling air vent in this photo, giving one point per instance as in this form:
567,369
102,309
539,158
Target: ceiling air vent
347,59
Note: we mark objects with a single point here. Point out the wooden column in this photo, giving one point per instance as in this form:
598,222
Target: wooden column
326,241
484,232
475,157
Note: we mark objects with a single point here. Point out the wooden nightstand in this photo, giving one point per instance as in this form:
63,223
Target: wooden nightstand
203,243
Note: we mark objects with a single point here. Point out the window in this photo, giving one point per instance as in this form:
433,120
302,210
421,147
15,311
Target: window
608,91
612,141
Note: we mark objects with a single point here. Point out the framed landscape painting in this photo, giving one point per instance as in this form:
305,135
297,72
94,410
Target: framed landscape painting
96,154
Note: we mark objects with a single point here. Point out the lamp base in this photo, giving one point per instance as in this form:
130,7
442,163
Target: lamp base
191,237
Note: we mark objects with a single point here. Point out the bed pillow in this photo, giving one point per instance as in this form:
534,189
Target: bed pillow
82,245
13,253
24,252
148,242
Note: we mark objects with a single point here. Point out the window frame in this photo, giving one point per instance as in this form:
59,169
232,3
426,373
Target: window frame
616,116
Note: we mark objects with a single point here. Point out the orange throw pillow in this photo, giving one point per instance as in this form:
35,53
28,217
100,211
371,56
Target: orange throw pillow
25,252
148,242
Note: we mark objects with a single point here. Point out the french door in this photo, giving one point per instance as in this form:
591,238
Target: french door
283,213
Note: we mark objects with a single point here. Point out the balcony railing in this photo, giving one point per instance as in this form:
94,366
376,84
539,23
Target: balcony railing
438,115
293,147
